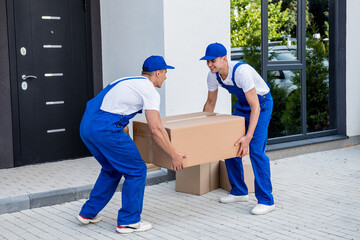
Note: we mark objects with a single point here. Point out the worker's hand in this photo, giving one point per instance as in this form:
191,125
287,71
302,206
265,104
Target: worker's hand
243,144
177,162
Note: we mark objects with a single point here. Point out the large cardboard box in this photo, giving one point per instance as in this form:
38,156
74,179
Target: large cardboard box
248,175
204,137
198,179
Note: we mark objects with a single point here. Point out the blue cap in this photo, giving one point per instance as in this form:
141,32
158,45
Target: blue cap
154,63
213,51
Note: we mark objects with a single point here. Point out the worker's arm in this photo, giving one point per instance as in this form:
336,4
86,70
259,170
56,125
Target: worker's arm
253,100
162,138
211,101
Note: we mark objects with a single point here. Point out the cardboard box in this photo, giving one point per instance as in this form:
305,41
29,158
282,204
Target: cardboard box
198,179
126,130
204,137
248,175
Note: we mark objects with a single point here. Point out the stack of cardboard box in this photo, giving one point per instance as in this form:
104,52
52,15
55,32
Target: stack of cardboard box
205,137
210,176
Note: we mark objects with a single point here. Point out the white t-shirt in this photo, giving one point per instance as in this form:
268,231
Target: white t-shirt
131,96
246,78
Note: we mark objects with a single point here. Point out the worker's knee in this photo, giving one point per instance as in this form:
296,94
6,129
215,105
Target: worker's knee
140,171
143,170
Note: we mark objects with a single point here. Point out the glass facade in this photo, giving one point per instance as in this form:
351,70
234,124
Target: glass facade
289,43
317,66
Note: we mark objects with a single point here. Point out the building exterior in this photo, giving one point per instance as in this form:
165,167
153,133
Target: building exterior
100,41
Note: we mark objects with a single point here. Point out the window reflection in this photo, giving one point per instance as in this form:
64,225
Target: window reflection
286,92
317,66
282,28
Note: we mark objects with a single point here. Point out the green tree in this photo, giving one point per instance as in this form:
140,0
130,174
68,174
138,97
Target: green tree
246,22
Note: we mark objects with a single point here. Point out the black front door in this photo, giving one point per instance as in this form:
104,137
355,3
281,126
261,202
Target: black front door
52,78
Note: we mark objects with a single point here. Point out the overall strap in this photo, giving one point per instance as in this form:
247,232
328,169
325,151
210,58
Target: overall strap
234,70
233,75
219,80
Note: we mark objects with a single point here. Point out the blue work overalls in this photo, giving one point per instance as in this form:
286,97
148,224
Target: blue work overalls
260,162
103,134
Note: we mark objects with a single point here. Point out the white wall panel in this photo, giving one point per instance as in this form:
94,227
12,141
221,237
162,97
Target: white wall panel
352,68
179,30
131,31
189,26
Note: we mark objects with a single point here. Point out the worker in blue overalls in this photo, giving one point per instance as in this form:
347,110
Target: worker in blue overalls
102,131
255,105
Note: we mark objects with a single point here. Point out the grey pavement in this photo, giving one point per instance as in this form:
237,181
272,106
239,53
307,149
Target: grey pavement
52,183
317,196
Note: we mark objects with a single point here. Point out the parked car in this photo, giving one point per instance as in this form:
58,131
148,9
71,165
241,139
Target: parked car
283,78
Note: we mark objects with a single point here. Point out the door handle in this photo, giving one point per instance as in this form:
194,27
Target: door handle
24,77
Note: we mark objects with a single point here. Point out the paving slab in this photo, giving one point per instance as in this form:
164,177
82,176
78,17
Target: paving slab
317,196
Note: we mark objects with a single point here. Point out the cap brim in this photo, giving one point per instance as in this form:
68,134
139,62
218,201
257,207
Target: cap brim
169,67
208,58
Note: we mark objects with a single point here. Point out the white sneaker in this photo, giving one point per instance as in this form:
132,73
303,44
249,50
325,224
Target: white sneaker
135,227
85,220
232,198
260,209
